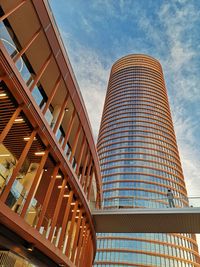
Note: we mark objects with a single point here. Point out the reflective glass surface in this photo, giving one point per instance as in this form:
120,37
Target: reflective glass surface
139,163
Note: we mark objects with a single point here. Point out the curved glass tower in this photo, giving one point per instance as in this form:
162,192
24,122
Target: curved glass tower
140,163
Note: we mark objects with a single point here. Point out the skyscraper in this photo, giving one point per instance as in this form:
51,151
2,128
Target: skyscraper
139,163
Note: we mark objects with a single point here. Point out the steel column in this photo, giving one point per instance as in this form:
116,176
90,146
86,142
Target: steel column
80,155
76,235
71,122
34,184
47,197
65,219
75,143
61,114
52,94
57,209
71,229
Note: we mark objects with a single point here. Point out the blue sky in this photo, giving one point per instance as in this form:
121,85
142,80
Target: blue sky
97,33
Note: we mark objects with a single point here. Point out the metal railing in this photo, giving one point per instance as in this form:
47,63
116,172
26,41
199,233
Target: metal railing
145,202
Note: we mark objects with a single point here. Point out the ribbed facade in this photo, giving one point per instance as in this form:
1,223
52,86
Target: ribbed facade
139,162
49,169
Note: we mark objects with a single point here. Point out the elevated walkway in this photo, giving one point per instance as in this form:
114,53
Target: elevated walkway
170,220
148,220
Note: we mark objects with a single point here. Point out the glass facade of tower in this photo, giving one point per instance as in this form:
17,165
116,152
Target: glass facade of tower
139,163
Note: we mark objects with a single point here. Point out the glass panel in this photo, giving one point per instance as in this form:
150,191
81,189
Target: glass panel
5,37
49,116
37,96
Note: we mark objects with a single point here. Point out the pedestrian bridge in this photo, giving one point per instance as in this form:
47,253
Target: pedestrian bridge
148,220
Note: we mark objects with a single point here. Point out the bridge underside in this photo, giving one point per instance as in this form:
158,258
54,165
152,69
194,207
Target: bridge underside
171,220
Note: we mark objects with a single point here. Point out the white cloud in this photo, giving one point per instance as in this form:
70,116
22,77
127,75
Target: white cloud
179,22
92,77
86,25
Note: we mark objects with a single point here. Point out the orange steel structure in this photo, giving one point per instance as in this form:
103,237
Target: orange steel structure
49,170
139,162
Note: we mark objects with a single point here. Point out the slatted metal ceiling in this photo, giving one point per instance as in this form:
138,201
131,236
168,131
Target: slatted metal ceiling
14,140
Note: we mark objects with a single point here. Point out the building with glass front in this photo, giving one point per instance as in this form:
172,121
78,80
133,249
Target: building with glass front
49,170
140,162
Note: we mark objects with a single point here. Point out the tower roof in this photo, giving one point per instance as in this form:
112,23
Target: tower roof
140,60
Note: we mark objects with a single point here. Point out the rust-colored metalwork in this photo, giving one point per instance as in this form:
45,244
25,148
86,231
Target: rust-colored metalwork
78,229
88,175
10,123
75,143
40,72
90,184
52,94
47,197
44,204
84,227
61,114
18,167
84,168
73,219
83,144
57,209
65,219
12,10
69,129
35,182
25,48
